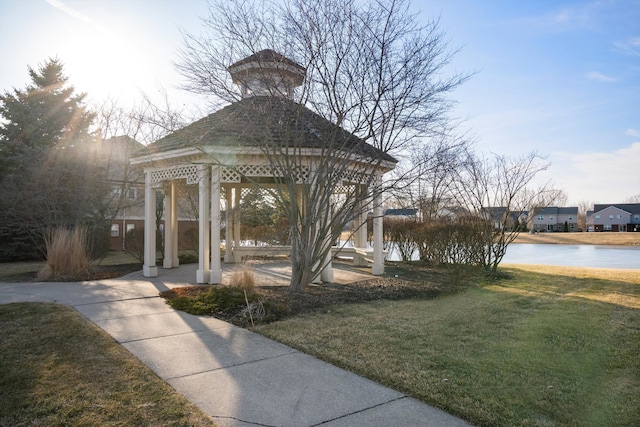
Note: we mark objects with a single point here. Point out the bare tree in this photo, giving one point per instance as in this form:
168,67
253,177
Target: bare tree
432,170
374,78
498,190
584,206
123,131
633,199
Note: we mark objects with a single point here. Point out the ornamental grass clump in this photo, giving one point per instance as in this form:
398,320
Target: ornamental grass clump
67,255
244,279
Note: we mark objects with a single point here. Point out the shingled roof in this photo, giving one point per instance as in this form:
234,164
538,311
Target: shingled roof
254,121
267,56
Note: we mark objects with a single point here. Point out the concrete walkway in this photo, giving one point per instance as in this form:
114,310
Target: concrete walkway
236,376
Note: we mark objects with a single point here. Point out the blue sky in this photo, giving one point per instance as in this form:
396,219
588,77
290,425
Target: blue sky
560,77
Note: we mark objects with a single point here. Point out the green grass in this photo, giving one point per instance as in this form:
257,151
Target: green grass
56,368
535,350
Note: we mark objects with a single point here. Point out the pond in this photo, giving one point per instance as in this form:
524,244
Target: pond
598,256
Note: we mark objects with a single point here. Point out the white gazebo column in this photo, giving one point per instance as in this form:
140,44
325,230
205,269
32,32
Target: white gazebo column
378,255
216,269
228,230
204,190
170,227
174,220
237,196
326,275
360,224
149,268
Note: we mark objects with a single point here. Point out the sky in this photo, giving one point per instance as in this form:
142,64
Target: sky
559,77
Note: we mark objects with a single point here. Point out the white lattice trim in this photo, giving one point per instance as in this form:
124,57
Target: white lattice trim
235,175
189,172
357,176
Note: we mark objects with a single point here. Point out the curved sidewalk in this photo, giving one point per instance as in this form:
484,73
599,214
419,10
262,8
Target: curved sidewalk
236,376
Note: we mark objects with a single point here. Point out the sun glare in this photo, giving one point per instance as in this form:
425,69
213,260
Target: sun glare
105,60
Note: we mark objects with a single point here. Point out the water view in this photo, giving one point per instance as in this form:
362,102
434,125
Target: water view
598,256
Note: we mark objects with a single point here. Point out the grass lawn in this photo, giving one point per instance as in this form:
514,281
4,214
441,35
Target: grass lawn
605,238
547,347
56,368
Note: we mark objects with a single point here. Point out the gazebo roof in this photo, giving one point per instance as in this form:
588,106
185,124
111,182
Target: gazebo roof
252,121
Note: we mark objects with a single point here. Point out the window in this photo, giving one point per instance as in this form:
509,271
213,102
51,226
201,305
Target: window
115,230
610,216
551,218
570,217
619,216
607,227
597,217
131,193
540,218
636,217
115,191
130,227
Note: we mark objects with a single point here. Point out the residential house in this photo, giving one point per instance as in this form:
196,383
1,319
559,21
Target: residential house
619,217
554,218
501,218
407,213
451,212
126,199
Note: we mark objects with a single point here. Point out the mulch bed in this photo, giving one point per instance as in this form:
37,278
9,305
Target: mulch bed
401,281
98,272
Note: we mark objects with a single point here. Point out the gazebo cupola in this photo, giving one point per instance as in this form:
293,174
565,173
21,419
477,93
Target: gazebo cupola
267,73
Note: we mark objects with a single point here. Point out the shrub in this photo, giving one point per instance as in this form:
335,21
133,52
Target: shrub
231,303
218,299
188,258
67,255
98,242
134,243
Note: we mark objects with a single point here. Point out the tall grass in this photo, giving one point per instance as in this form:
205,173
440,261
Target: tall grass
244,278
67,255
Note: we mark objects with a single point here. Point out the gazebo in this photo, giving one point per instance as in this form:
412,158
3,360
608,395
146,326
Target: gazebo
223,153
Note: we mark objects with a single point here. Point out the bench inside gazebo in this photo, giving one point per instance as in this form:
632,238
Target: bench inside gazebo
223,154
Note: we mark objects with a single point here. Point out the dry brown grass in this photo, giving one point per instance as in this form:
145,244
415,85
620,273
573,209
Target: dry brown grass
585,283
244,278
67,255
59,369
611,238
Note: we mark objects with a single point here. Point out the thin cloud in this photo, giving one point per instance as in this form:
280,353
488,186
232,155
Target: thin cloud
599,77
592,175
633,132
629,46
68,10
583,16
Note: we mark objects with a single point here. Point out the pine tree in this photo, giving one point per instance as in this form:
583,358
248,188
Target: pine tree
46,114
49,174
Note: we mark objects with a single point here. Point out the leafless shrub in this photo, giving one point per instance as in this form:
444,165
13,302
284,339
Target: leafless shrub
450,241
402,233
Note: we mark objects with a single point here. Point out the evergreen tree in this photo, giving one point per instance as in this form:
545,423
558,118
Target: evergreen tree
46,114
49,172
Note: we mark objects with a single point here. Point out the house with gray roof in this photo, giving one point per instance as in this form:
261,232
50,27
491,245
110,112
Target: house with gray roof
554,218
619,217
